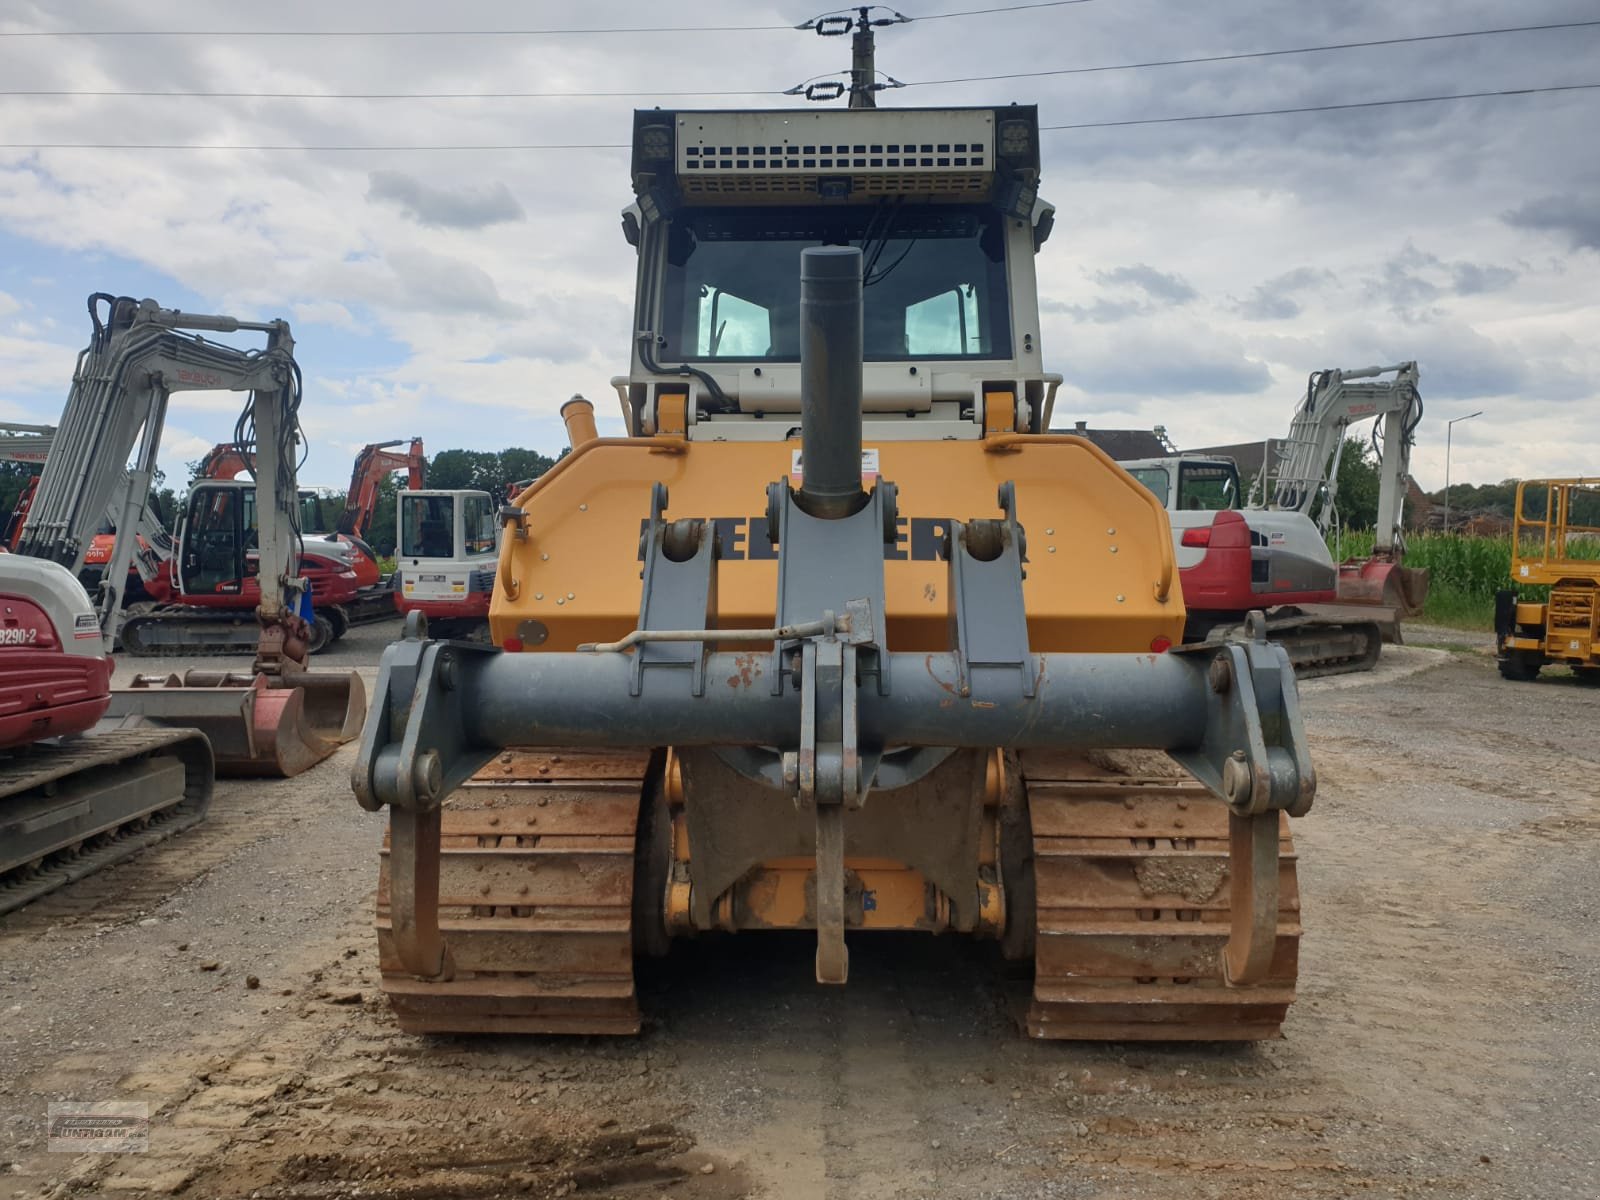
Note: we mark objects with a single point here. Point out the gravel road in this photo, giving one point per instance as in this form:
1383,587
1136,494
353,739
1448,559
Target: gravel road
1446,1041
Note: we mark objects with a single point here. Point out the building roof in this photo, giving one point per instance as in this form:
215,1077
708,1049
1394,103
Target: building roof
1124,444
1247,456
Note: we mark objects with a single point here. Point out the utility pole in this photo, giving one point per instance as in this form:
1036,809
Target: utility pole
864,86
863,68
1449,428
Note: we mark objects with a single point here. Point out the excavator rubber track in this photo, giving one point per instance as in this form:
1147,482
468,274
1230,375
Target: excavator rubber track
536,900
1325,639
1130,867
70,808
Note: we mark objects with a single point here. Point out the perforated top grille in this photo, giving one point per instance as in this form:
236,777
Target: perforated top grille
947,152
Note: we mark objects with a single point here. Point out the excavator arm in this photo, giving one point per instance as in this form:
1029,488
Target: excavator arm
1334,401
375,463
226,461
152,543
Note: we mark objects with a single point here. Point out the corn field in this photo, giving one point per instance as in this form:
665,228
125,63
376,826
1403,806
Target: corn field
1466,571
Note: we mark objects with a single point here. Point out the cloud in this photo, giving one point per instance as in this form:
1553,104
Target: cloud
1155,360
1279,298
1412,280
9,304
445,208
1143,290
1576,220
1471,279
326,312
1158,285
431,282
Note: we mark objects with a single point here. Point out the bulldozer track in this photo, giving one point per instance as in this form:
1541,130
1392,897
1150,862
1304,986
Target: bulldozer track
535,900
1131,869
73,775
1131,872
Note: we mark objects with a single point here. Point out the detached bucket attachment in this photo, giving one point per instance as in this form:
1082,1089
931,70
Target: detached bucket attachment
1375,581
257,726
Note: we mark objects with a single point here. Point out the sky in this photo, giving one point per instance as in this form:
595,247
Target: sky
1198,271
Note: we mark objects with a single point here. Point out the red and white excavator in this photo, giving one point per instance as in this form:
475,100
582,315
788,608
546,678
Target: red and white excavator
163,585
90,774
1268,551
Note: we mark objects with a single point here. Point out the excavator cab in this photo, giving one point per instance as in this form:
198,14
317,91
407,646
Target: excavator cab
214,536
445,558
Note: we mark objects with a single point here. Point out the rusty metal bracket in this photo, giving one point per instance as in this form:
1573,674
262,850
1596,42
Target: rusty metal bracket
1254,753
830,781
415,751
414,860
988,617
679,593
1253,883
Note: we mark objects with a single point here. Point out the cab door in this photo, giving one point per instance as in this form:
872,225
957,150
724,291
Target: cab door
212,557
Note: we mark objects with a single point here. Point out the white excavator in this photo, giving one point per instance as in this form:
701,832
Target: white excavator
1268,548
91,774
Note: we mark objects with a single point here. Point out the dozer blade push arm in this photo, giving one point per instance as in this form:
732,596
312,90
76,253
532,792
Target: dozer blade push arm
830,712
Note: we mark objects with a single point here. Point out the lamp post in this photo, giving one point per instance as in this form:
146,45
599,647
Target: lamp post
1449,428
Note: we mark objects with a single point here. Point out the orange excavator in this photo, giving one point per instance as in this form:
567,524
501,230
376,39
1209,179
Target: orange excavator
374,464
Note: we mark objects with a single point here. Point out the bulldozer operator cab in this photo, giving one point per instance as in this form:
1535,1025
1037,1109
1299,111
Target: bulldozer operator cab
943,205
935,281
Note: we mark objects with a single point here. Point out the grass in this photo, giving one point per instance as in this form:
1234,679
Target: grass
1466,572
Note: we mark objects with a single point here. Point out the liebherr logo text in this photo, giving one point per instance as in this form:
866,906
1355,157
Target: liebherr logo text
199,378
917,539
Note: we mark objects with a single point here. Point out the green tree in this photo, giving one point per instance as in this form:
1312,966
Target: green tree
381,531
14,477
485,470
1358,485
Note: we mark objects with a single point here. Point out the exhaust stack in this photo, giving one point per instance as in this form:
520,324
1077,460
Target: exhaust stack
831,352
578,414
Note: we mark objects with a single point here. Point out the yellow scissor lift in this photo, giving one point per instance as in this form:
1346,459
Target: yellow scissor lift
1555,543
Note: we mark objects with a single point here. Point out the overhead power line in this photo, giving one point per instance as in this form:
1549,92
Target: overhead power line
1311,108
978,12
518,146
1132,66
412,33
1217,58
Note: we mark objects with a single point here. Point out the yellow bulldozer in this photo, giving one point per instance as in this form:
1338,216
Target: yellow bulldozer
837,637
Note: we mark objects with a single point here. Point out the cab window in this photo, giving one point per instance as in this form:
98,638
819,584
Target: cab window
427,526
477,520
1156,479
1208,486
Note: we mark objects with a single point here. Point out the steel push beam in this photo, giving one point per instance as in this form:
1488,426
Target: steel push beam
833,700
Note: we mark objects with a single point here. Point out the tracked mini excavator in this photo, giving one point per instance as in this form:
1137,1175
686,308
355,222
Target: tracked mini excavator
278,718
837,638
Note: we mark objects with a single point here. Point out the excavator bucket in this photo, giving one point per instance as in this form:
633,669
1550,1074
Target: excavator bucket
257,726
1376,581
